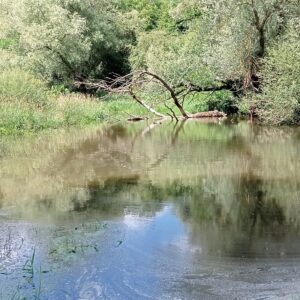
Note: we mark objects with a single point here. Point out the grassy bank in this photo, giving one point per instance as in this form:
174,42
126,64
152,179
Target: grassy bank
28,105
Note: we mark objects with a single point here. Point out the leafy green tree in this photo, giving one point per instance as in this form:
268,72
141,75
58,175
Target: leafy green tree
221,44
228,38
280,101
241,32
64,39
153,14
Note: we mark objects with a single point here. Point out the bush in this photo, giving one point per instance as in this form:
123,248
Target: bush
222,101
20,86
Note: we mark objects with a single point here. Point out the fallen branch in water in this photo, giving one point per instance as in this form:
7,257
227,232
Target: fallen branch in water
208,114
136,119
215,114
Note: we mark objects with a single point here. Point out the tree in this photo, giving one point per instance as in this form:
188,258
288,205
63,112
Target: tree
279,102
133,83
243,31
64,39
152,14
222,41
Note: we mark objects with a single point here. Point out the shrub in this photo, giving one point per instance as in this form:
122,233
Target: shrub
222,101
20,86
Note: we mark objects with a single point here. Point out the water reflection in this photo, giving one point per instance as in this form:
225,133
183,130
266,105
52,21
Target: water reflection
112,202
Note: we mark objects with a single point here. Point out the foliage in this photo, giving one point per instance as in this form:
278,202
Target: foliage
221,101
17,85
26,105
248,47
152,14
216,41
63,39
172,57
280,101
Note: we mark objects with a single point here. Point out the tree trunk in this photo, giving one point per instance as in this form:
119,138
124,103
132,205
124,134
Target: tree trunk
171,91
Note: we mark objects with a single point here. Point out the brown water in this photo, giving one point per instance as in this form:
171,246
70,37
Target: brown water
166,211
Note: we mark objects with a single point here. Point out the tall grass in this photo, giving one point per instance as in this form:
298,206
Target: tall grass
27,105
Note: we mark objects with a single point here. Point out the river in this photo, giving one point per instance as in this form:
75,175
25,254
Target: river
193,210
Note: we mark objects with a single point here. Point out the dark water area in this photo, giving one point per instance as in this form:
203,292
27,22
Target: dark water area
192,210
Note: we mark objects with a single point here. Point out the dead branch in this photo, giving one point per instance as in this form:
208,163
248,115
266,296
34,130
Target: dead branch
138,100
209,114
137,80
122,85
171,91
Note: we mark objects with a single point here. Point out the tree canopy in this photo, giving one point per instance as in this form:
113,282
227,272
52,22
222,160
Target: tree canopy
249,47
64,39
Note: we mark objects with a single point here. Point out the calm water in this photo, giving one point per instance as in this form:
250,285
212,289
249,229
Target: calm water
151,211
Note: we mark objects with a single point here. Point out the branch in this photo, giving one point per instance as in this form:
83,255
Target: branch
196,88
62,58
129,83
173,115
256,15
138,100
171,91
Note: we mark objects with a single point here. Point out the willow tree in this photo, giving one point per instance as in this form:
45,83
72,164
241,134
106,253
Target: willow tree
63,39
214,41
279,102
242,32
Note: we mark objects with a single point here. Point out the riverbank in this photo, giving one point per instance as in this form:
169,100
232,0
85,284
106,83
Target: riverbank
28,105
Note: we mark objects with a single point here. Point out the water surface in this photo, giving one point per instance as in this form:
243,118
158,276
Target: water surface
192,210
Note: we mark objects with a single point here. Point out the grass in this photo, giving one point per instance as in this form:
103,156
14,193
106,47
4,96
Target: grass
27,105
20,118
123,107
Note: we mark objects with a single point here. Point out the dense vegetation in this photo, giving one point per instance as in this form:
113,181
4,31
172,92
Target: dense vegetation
235,56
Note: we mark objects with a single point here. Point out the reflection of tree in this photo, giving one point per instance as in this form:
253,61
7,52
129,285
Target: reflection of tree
263,212
1,197
119,147
178,126
207,162
116,194
231,222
